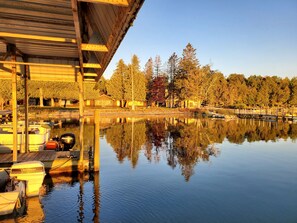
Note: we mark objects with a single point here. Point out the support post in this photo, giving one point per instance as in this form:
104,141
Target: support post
41,97
81,95
14,103
97,141
81,143
26,109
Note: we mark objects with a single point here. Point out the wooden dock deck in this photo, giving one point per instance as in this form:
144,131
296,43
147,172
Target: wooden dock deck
54,162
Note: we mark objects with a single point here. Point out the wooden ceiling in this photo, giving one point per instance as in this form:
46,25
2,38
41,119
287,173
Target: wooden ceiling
60,39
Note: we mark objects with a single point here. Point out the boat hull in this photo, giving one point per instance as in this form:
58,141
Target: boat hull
38,136
32,172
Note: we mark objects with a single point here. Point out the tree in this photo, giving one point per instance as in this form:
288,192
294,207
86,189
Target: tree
159,89
293,89
172,72
101,86
116,86
157,65
216,92
187,65
148,73
237,90
135,83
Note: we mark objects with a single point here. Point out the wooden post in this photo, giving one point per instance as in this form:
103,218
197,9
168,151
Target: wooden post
14,103
81,143
26,109
41,97
97,141
81,95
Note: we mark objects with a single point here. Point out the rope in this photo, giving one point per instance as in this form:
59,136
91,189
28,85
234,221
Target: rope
53,168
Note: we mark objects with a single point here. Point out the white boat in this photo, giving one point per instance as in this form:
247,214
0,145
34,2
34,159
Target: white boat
38,136
12,196
32,172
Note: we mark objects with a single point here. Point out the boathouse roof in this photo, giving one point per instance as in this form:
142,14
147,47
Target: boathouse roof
60,39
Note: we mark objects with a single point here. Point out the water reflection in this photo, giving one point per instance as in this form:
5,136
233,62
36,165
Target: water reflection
186,142
181,144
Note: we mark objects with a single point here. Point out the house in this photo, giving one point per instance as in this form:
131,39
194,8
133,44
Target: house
102,100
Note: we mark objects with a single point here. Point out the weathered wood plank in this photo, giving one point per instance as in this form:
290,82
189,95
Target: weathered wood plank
40,64
94,47
36,37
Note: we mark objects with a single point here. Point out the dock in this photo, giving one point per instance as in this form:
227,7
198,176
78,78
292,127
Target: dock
54,162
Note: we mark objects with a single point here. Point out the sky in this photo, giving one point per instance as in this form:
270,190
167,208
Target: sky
250,37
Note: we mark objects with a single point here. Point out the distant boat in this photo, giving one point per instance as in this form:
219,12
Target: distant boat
215,115
38,136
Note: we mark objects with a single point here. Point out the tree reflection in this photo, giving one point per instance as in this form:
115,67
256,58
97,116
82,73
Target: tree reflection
127,140
186,142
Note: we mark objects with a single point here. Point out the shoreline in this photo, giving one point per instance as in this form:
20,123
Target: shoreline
110,112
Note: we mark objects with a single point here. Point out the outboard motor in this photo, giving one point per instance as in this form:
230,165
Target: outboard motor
67,141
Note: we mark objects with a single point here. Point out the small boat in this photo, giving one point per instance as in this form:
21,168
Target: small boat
32,172
12,195
38,136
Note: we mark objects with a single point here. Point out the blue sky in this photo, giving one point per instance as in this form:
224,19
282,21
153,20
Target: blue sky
235,36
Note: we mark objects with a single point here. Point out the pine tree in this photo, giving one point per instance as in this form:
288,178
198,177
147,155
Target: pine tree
135,83
293,90
148,73
116,86
157,65
172,73
188,66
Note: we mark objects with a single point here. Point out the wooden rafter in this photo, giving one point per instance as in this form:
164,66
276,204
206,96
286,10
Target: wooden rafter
112,2
91,65
77,33
40,64
94,47
37,37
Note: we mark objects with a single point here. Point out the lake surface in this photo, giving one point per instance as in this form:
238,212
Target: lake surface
179,170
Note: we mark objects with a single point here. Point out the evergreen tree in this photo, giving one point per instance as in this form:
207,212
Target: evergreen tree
188,65
116,86
293,90
172,73
157,65
101,86
148,73
135,83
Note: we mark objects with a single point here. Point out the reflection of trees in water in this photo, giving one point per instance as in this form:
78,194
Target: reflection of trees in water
127,140
190,145
186,142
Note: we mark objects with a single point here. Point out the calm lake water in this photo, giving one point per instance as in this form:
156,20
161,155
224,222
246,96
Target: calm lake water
179,170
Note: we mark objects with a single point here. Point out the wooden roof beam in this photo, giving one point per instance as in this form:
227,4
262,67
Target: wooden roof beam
94,47
36,37
92,65
124,3
40,64
77,33
94,44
